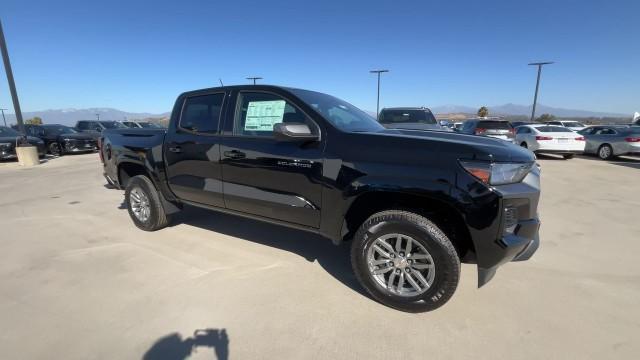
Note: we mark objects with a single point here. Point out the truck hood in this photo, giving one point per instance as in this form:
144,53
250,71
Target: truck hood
470,147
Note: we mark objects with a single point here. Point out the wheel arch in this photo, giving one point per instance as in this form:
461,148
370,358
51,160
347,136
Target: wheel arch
438,210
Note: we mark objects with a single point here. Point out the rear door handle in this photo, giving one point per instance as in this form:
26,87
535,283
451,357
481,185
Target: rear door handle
234,154
175,149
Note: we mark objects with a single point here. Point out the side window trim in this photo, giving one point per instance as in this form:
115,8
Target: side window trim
238,110
220,117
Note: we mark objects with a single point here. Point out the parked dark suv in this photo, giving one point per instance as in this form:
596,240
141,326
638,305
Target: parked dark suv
413,204
412,118
499,129
9,138
60,139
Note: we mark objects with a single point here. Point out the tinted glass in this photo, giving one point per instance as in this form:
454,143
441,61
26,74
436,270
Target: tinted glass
523,130
83,125
148,125
58,129
339,113
498,125
407,116
202,113
553,129
112,125
259,112
5,131
573,124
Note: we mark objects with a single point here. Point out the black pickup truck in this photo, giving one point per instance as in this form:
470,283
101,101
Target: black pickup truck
414,204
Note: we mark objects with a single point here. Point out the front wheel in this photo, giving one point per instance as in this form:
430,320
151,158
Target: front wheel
144,205
405,261
55,149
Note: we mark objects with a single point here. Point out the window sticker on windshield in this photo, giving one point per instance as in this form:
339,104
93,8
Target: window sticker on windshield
262,115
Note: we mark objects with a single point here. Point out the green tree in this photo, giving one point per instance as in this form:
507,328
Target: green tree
483,112
545,117
34,121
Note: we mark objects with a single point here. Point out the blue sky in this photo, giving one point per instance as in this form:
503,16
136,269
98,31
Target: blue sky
137,56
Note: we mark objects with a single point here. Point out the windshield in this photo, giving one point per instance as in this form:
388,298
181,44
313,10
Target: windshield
5,131
553,129
572,124
112,125
423,116
339,113
59,129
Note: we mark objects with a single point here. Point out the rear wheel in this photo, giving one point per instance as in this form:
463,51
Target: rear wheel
605,152
568,156
405,261
144,205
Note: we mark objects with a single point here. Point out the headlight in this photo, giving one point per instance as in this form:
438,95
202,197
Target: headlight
497,173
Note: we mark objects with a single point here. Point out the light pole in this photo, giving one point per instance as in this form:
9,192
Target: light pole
12,84
535,96
98,116
3,118
254,78
378,101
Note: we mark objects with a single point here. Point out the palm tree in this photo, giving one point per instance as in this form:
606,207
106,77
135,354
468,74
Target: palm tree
483,112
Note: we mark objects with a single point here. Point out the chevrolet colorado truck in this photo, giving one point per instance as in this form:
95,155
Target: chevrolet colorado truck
414,204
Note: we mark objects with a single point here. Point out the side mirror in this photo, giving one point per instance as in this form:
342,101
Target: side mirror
293,132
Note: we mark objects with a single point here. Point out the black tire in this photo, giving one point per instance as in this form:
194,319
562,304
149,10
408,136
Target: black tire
425,232
605,156
158,218
524,145
568,156
55,149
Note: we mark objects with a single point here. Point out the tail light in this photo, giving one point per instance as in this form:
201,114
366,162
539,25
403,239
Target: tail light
544,138
632,139
580,138
512,131
480,131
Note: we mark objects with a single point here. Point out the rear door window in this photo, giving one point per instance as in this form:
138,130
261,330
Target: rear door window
201,114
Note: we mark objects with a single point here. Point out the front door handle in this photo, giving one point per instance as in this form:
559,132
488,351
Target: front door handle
175,149
234,154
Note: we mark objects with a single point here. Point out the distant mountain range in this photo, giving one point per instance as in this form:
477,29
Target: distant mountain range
515,109
70,116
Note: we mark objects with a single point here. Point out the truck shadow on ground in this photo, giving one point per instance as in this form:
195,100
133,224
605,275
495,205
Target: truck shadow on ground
334,259
174,347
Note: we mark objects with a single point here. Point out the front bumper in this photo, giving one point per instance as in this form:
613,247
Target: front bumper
80,146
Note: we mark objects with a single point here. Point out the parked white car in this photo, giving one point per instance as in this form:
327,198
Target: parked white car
550,139
570,124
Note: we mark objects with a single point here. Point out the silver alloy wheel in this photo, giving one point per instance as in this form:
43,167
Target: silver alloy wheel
401,265
605,152
139,204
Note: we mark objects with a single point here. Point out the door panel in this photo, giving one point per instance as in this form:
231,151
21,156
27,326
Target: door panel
265,177
278,180
192,151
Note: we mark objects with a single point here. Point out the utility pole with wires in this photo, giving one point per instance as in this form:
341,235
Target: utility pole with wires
378,101
535,96
98,116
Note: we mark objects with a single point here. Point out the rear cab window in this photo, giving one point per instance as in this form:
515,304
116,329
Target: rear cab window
494,125
423,116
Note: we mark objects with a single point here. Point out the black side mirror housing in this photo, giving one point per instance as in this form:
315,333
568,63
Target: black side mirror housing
293,132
